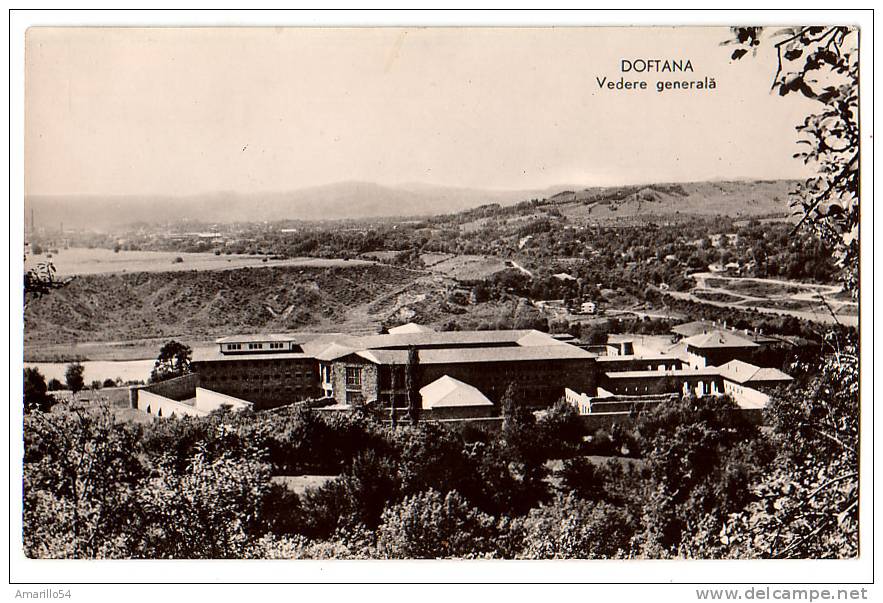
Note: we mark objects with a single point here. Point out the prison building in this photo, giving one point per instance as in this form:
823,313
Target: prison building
609,403
703,327
181,397
747,382
699,382
651,362
718,347
268,370
359,370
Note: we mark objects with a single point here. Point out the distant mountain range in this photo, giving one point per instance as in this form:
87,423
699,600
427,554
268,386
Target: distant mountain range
369,200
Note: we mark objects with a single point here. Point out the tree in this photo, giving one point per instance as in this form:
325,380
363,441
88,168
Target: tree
821,63
35,396
561,430
433,458
210,511
519,438
807,503
412,383
79,480
40,280
359,496
173,361
393,417
431,525
73,376
702,455
573,528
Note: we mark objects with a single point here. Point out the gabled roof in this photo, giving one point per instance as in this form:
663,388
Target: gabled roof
215,355
476,355
333,351
444,338
411,327
698,327
537,338
689,329
745,372
258,337
447,392
771,374
719,339
317,344
331,347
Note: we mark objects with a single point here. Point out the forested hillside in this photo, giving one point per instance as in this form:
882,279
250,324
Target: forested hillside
130,306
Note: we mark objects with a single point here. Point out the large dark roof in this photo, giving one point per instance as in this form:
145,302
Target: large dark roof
719,339
333,347
699,327
477,355
744,372
445,346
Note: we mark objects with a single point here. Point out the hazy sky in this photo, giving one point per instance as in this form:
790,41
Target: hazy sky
183,111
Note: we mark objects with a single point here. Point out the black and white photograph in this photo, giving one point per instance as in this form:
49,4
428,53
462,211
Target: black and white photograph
478,293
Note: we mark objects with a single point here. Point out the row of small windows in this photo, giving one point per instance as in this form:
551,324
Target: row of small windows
211,376
253,364
273,345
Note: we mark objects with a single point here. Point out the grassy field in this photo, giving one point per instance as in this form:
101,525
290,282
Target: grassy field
735,199
300,483
380,256
758,288
82,261
468,267
431,259
717,296
111,351
790,304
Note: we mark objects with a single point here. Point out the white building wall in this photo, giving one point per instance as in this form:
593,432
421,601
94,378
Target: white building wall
207,401
580,401
744,396
696,361
154,404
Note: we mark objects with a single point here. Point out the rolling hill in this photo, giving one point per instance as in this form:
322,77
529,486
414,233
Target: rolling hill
359,200
726,198
328,202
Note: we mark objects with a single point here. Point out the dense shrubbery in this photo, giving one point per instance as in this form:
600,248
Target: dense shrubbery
688,479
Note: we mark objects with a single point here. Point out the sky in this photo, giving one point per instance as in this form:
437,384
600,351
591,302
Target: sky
190,111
